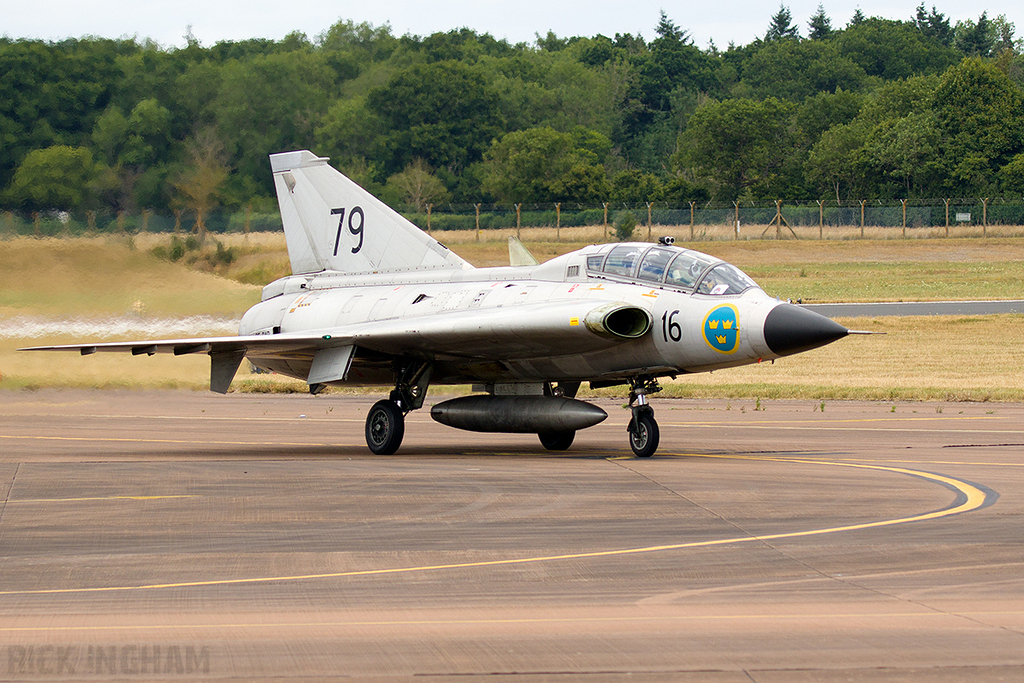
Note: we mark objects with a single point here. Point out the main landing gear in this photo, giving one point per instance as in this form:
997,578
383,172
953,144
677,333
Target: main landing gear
385,423
559,441
644,435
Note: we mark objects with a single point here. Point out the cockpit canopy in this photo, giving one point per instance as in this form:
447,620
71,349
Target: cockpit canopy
688,270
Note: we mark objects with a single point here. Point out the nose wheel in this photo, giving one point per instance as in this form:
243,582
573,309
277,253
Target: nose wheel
644,435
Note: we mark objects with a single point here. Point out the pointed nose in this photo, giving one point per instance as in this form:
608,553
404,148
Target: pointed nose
790,329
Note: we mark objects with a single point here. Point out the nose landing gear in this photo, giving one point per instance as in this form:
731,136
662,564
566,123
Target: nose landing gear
644,435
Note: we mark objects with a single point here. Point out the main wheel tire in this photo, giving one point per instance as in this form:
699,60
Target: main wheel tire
385,427
644,435
557,441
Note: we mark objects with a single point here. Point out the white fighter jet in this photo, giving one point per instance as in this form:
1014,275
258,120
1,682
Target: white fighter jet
373,300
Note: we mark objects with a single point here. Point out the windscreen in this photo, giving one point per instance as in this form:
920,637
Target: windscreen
724,279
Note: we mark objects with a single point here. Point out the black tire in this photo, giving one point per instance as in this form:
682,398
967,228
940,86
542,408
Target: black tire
557,441
644,435
385,427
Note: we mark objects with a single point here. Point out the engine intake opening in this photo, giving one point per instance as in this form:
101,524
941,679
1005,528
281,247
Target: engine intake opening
618,321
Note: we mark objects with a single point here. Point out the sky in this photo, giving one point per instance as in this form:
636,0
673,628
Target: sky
211,21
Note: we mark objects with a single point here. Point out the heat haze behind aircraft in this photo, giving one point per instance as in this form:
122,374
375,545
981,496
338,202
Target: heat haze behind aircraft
373,300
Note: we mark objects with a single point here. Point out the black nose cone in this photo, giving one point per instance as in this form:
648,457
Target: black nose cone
790,329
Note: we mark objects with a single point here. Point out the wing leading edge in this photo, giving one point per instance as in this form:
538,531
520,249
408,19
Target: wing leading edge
518,332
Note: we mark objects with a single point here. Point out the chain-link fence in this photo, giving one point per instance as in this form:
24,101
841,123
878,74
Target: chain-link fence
826,219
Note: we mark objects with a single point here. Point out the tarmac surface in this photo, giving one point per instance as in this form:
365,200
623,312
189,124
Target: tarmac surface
178,535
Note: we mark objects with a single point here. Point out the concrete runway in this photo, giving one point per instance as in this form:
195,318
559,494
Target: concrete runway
193,536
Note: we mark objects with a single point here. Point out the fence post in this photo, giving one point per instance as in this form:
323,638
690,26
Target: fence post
429,207
477,222
821,217
177,221
736,225
558,221
904,202
691,219
862,203
518,221
605,205
946,202
984,217
649,221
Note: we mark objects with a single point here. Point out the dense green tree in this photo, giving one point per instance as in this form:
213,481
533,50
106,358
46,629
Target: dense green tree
737,145
976,39
837,164
348,131
782,26
819,26
270,103
670,31
57,177
817,114
416,186
980,115
1012,175
635,186
443,112
891,49
148,134
866,113
794,70
934,25
908,152
542,164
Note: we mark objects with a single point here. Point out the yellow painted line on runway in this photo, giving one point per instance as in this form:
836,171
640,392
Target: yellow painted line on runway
76,500
799,428
974,498
897,418
201,442
816,616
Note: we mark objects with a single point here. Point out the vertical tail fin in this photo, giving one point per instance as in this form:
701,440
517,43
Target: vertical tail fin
330,223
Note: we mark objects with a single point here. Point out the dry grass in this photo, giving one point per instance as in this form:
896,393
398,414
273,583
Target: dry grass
948,358
104,276
939,358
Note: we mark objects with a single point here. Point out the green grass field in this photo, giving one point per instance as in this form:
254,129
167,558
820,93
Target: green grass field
927,358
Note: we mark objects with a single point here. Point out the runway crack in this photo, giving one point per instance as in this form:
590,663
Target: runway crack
7,497
739,528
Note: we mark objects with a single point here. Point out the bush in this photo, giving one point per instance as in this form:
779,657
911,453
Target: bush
624,227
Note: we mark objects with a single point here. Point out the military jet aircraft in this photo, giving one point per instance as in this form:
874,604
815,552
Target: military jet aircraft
373,300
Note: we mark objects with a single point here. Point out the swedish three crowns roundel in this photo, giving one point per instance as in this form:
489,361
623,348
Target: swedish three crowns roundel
722,328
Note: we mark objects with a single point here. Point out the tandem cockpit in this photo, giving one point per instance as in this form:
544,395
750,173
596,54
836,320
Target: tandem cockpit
664,265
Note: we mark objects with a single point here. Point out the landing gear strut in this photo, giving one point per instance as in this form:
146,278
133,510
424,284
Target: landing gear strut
385,423
644,435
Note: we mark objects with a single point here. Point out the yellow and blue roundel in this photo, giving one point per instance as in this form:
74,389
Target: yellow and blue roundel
722,328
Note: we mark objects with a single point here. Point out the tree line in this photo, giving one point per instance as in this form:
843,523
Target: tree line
880,108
